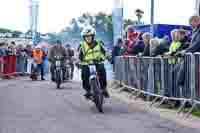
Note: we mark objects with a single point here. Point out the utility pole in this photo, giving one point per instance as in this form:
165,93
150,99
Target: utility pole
197,7
118,20
152,17
34,7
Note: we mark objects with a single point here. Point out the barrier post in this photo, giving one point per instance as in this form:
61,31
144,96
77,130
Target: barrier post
1,66
192,75
197,73
162,89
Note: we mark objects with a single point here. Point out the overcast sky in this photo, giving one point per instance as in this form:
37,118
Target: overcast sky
56,14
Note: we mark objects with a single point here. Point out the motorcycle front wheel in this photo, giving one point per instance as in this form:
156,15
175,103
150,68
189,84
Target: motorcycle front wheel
97,94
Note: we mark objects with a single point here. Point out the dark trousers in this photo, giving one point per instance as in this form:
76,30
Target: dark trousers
39,67
72,70
86,74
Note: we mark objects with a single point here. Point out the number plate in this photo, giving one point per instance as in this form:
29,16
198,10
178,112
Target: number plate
58,63
92,68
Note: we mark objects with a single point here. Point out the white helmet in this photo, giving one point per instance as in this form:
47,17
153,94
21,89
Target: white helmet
87,31
38,47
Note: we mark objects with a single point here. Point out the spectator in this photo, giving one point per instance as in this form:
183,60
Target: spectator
11,50
173,32
132,38
131,34
154,43
184,40
13,43
176,44
116,49
28,61
162,48
146,38
20,50
123,48
2,49
139,46
194,46
165,42
28,50
21,58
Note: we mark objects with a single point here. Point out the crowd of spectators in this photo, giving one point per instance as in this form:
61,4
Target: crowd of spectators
178,44
21,54
143,44
9,49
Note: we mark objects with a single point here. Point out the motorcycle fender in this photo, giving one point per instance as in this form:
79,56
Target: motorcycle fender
92,77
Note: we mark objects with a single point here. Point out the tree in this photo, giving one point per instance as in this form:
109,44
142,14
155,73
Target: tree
128,22
4,30
101,22
139,13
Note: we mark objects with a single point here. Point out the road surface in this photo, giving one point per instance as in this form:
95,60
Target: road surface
37,107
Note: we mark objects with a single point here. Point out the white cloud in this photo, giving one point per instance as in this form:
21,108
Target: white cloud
174,11
166,11
13,14
55,14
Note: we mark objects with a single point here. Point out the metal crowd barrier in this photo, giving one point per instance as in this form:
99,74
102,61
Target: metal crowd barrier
160,77
1,66
7,65
13,65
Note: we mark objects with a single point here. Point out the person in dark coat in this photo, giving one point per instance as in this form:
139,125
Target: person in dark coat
194,47
184,40
162,48
116,49
139,46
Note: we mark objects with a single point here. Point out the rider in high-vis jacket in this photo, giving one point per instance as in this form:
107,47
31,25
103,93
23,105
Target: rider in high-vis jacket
89,50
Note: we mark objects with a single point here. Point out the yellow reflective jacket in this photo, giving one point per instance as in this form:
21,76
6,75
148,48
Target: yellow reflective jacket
175,46
89,54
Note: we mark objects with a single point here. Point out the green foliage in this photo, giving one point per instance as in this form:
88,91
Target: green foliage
101,22
4,30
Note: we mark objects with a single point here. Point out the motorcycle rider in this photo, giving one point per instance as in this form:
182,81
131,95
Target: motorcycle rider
71,55
89,50
57,50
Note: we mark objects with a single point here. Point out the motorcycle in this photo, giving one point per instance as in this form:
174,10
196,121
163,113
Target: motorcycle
58,70
96,91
